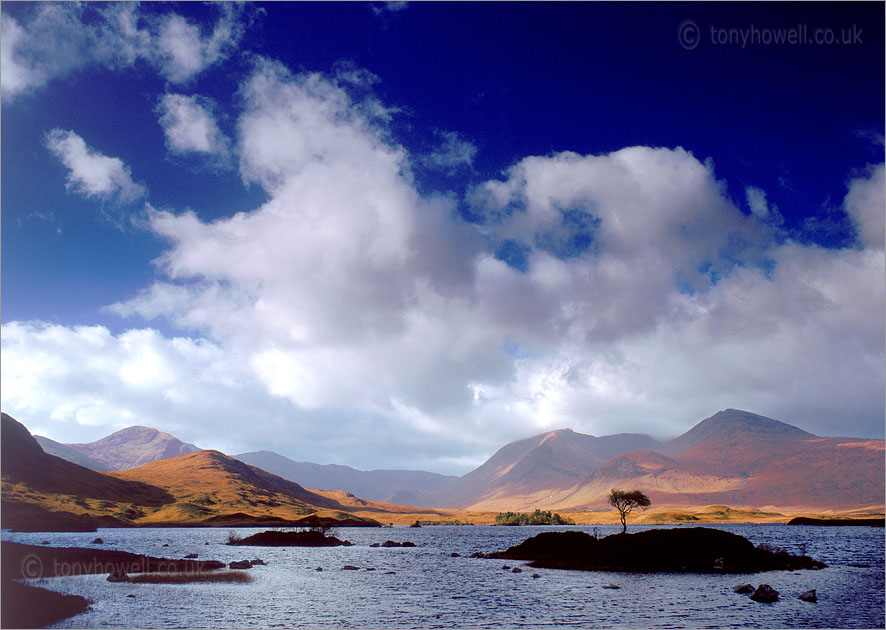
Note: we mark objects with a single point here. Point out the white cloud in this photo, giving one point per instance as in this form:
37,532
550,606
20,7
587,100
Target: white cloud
58,38
761,208
90,173
189,126
865,205
350,319
453,153
388,7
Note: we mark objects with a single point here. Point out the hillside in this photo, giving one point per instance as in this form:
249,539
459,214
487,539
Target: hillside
207,483
132,447
407,487
529,472
34,482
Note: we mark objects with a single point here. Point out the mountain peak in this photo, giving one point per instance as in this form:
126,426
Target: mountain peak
727,424
134,446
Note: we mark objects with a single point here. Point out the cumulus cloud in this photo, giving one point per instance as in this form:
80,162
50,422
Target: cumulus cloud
761,208
90,173
864,204
190,127
58,38
351,313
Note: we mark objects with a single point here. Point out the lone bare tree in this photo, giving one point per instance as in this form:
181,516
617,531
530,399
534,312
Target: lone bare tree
625,502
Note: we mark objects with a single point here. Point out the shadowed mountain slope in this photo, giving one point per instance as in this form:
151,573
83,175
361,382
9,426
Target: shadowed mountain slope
51,447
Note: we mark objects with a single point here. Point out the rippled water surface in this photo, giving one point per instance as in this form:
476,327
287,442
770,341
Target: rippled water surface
423,587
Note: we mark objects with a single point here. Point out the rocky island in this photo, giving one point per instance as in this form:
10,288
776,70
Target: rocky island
683,550
277,538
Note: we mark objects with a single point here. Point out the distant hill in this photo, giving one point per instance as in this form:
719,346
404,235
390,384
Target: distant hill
742,459
72,455
528,472
405,487
128,448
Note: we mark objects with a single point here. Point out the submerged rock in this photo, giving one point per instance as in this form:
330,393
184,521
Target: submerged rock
765,594
98,541
808,596
349,567
516,570
455,555
744,589
190,556
240,564
118,576
611,586
257,561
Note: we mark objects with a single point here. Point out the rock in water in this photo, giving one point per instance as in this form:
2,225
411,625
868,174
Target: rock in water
744,589
118,576
98,541
808,596
190,556
240,564
765,594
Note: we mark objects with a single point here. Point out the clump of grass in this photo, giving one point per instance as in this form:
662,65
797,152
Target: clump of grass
201,577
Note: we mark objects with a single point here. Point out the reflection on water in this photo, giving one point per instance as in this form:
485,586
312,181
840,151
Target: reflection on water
423,587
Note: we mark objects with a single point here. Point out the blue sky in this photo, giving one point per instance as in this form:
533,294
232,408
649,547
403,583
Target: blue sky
396,235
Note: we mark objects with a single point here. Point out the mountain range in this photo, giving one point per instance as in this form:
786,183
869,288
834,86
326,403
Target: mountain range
41,491
735,458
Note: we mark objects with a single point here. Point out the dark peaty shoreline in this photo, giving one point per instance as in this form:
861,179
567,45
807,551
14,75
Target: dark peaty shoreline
25,606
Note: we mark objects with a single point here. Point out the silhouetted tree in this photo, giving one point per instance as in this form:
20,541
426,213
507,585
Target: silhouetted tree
625,502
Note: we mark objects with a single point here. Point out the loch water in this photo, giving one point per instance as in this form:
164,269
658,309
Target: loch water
424,587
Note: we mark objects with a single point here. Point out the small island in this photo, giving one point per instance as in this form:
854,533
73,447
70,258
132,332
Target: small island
538,517
314,537
684,550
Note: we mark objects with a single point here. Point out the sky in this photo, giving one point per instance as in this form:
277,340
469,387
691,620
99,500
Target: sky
401,235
